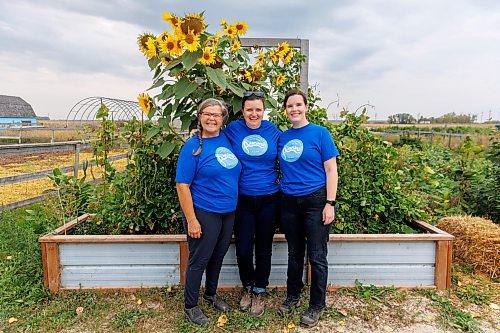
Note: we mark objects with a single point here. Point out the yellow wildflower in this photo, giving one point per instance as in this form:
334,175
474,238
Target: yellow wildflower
144,103
282,49
171,19
223,22
208,57
286,59
235,46
241,28
191,41
151,47
231,31
170,45
280,79
248,76
274,58
142,42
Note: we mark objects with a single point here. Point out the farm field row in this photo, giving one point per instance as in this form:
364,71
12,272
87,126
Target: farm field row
32,188
14,165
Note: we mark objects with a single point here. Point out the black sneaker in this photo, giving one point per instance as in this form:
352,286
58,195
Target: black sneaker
196,316
289,304
310,317
217,302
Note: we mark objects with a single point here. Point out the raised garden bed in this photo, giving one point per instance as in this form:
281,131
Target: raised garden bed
142,261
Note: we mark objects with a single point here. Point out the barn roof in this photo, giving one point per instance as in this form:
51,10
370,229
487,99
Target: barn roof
15,107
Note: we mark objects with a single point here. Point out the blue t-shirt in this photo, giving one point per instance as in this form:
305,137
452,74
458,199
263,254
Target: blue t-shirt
257,150
213,174
302,152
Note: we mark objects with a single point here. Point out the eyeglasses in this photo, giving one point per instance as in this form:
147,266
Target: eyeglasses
212,115
250,93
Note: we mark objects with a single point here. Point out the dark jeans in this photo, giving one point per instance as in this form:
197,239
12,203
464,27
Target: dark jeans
206,253
255,224
302,222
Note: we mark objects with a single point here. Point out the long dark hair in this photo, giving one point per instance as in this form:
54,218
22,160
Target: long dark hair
203,105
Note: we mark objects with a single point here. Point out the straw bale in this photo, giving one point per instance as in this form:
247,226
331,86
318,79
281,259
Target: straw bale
477,241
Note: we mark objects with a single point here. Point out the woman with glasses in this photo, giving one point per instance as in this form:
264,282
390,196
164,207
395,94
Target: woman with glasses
308,163
207,186
255,143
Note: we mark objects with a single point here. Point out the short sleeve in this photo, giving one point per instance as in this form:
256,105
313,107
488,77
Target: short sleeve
328,148
186,165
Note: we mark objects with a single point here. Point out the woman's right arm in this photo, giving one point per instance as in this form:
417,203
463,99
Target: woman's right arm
186,201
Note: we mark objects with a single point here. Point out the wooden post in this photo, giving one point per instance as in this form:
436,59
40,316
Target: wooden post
20,131
52,139
51,262
183,260
77,161
449,140
443,265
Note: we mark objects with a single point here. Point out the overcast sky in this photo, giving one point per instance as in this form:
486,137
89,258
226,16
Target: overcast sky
424,57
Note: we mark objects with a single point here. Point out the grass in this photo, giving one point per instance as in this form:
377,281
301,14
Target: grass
23,297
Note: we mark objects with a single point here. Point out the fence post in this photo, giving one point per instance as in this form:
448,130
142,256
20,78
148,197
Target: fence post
432,133
20,131
77,161
449,140
52,139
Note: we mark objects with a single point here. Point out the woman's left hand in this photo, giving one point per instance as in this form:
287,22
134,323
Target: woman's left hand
328,214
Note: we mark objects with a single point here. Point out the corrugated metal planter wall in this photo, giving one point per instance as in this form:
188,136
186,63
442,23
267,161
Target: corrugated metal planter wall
141,261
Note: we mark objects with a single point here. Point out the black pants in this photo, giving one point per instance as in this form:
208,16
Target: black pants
302,222
254,226
206,253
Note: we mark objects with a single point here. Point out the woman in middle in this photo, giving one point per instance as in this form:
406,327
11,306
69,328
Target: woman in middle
255,144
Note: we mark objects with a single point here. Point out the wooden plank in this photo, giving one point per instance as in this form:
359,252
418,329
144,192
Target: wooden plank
112,238
44,265
441,273
53,267
71,224
431,228
25,202
448,264
389,237
183,260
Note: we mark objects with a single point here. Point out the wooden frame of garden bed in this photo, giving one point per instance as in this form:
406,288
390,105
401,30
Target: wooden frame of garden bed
381,260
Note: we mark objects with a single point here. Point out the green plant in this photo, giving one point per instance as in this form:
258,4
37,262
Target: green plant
451,316
127,318
473,294
370,292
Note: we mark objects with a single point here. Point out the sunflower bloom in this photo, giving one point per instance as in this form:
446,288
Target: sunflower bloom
282,49
208,57
257,72
223,22
194,23
235,46
248,76
142,42
280,79
171,19
144,103
286,59
260,59
274,58
170,46
230,31
241,28
191,41
151,48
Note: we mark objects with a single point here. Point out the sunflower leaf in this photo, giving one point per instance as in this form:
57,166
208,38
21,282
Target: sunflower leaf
217,76
153,62
186,122
189,59
173,63
183,88
165,149
158,83
164,122
243,54
237,90
236,104
152,132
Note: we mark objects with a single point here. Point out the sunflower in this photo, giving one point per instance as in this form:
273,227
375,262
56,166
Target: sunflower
248,76
235,45
280,79
171,19
288,57
144,103
231,31
191,41
193,22
170,45
241,28
257,72
274,58
151,44
282,49
223,22
208,57
260,59
142,40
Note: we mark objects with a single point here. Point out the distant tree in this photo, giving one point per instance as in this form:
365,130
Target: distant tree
453,118
401,118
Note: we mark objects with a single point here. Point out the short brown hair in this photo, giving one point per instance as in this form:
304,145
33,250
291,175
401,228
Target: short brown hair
294,92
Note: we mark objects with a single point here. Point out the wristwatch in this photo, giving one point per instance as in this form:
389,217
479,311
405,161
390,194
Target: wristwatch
331,202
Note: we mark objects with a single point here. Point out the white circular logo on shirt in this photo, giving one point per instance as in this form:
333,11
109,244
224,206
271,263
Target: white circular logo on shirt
254,145
292,150
226,157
